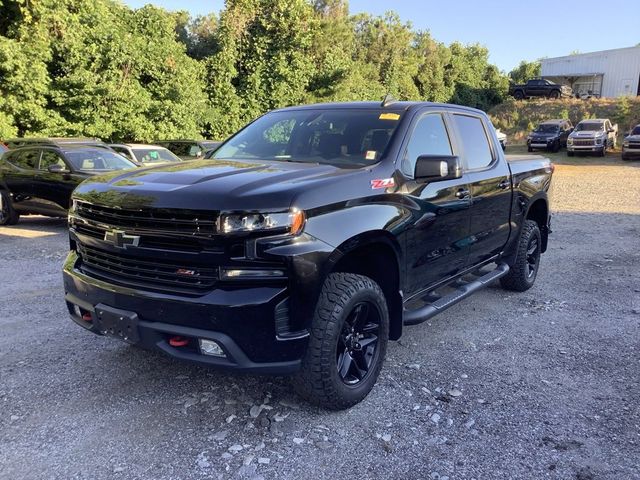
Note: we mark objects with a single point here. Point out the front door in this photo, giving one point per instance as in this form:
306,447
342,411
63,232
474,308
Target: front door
490,184
52,190
437,242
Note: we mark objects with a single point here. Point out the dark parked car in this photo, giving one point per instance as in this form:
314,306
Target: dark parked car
539,87
311,238
39,179
145,155
550,135
631,144
189,149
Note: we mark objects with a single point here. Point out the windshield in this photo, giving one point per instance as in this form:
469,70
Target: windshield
547,128
153,155
209,144
636,131
97,160
339,136
589,127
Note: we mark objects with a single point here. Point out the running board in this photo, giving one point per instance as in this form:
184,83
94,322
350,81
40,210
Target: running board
422,314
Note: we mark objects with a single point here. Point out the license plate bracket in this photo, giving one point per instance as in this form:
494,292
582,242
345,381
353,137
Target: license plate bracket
117,323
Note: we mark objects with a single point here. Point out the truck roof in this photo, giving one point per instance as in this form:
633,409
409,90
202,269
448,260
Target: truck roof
594,120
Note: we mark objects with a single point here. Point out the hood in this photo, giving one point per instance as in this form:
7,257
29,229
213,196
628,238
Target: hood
587,134
208,185
544,135
632,138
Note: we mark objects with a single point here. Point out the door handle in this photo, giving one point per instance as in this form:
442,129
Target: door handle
462,193
504,184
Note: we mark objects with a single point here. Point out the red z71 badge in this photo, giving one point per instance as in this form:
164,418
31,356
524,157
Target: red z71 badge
382,183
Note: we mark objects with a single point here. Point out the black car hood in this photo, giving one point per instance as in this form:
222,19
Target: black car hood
543,135
209,185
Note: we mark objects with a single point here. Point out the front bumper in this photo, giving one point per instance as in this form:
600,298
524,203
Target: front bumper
242,320
631,153
585,148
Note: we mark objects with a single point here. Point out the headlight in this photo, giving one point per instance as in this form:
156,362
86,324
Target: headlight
287,222
598,141
570,141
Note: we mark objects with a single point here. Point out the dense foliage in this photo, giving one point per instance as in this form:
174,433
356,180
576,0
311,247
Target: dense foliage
99,68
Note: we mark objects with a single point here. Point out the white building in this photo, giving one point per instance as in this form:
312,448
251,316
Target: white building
609,73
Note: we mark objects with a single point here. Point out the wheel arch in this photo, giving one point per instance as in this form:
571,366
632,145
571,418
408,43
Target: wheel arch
538,211
376,255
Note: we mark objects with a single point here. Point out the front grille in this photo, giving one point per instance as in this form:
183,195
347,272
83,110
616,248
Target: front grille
154,240
185,222
634,144
584,142
158,275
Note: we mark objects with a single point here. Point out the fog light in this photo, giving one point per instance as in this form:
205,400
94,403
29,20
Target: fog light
209,347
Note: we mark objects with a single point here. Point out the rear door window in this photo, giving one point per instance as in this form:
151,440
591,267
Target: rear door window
25,159
475,142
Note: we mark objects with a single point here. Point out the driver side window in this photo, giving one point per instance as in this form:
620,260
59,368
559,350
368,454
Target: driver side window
429,137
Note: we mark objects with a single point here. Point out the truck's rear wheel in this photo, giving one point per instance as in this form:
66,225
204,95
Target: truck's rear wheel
348,342
518,95
8,216
524,269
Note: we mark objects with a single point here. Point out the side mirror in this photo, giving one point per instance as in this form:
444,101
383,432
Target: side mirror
435,168
57,168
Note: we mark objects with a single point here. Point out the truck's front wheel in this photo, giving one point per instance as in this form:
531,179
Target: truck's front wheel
347,344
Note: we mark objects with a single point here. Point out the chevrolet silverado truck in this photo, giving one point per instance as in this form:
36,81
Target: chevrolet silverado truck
308,240
539,87
592,136
631,144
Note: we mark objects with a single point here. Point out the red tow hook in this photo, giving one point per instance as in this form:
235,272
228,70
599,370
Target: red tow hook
86,316
178,341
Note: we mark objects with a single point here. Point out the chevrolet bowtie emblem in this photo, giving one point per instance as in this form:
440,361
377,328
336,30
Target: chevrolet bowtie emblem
120,239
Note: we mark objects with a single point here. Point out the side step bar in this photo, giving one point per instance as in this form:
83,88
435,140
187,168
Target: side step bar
422,314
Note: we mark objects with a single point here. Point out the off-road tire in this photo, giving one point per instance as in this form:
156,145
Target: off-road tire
603,151
520,277
318,380
518,95
555,94
8,216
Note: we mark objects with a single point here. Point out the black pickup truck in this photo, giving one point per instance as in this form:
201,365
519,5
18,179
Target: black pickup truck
539,87
308,240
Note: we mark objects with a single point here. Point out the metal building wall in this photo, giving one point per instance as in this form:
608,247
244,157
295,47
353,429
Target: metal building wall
621,69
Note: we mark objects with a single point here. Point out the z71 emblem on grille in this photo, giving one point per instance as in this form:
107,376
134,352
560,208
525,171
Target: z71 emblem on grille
120,239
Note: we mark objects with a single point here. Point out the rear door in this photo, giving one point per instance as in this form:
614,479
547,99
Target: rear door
18,175
488,176
437,242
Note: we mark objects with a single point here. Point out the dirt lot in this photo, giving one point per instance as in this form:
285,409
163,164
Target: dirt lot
548,380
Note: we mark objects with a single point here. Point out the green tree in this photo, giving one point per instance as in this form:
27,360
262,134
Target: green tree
525,71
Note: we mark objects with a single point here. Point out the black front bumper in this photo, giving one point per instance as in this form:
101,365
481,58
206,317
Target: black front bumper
241,320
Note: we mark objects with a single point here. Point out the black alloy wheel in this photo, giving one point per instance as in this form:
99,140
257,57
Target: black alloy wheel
533,256
8,216
358,343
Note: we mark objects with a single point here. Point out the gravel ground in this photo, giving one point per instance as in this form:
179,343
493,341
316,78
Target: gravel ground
537,385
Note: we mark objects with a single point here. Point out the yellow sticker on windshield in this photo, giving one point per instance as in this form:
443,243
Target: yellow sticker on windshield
389,116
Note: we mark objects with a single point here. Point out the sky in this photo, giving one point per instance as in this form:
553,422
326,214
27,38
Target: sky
511,30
